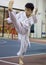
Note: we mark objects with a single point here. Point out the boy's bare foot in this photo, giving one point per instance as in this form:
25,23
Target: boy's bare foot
10,5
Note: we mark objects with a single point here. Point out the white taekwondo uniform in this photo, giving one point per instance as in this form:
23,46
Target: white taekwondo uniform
22,25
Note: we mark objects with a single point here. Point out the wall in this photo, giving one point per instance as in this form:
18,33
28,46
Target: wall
17,3
41,18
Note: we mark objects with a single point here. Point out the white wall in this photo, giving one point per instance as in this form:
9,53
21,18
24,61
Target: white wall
17,3
40,18
45,15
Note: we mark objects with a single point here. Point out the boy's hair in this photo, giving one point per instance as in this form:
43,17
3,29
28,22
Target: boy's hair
30,5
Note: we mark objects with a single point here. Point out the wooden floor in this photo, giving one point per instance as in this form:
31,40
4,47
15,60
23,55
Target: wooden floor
38,40
28,60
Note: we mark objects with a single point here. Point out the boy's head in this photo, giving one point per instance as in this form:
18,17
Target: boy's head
29,7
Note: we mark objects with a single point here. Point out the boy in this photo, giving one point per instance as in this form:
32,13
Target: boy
22,22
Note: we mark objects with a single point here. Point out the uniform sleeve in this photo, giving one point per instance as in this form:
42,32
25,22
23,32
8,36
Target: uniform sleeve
34,18
31,21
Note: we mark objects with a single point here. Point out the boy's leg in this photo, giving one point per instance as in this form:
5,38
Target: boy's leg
23,47
10,5
18,25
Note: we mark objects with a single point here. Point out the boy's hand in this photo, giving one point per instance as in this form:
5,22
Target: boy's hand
36,11
10,5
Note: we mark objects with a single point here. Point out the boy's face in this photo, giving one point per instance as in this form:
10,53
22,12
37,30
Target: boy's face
28,12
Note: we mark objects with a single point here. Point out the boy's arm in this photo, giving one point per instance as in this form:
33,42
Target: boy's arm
35,16
36,10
